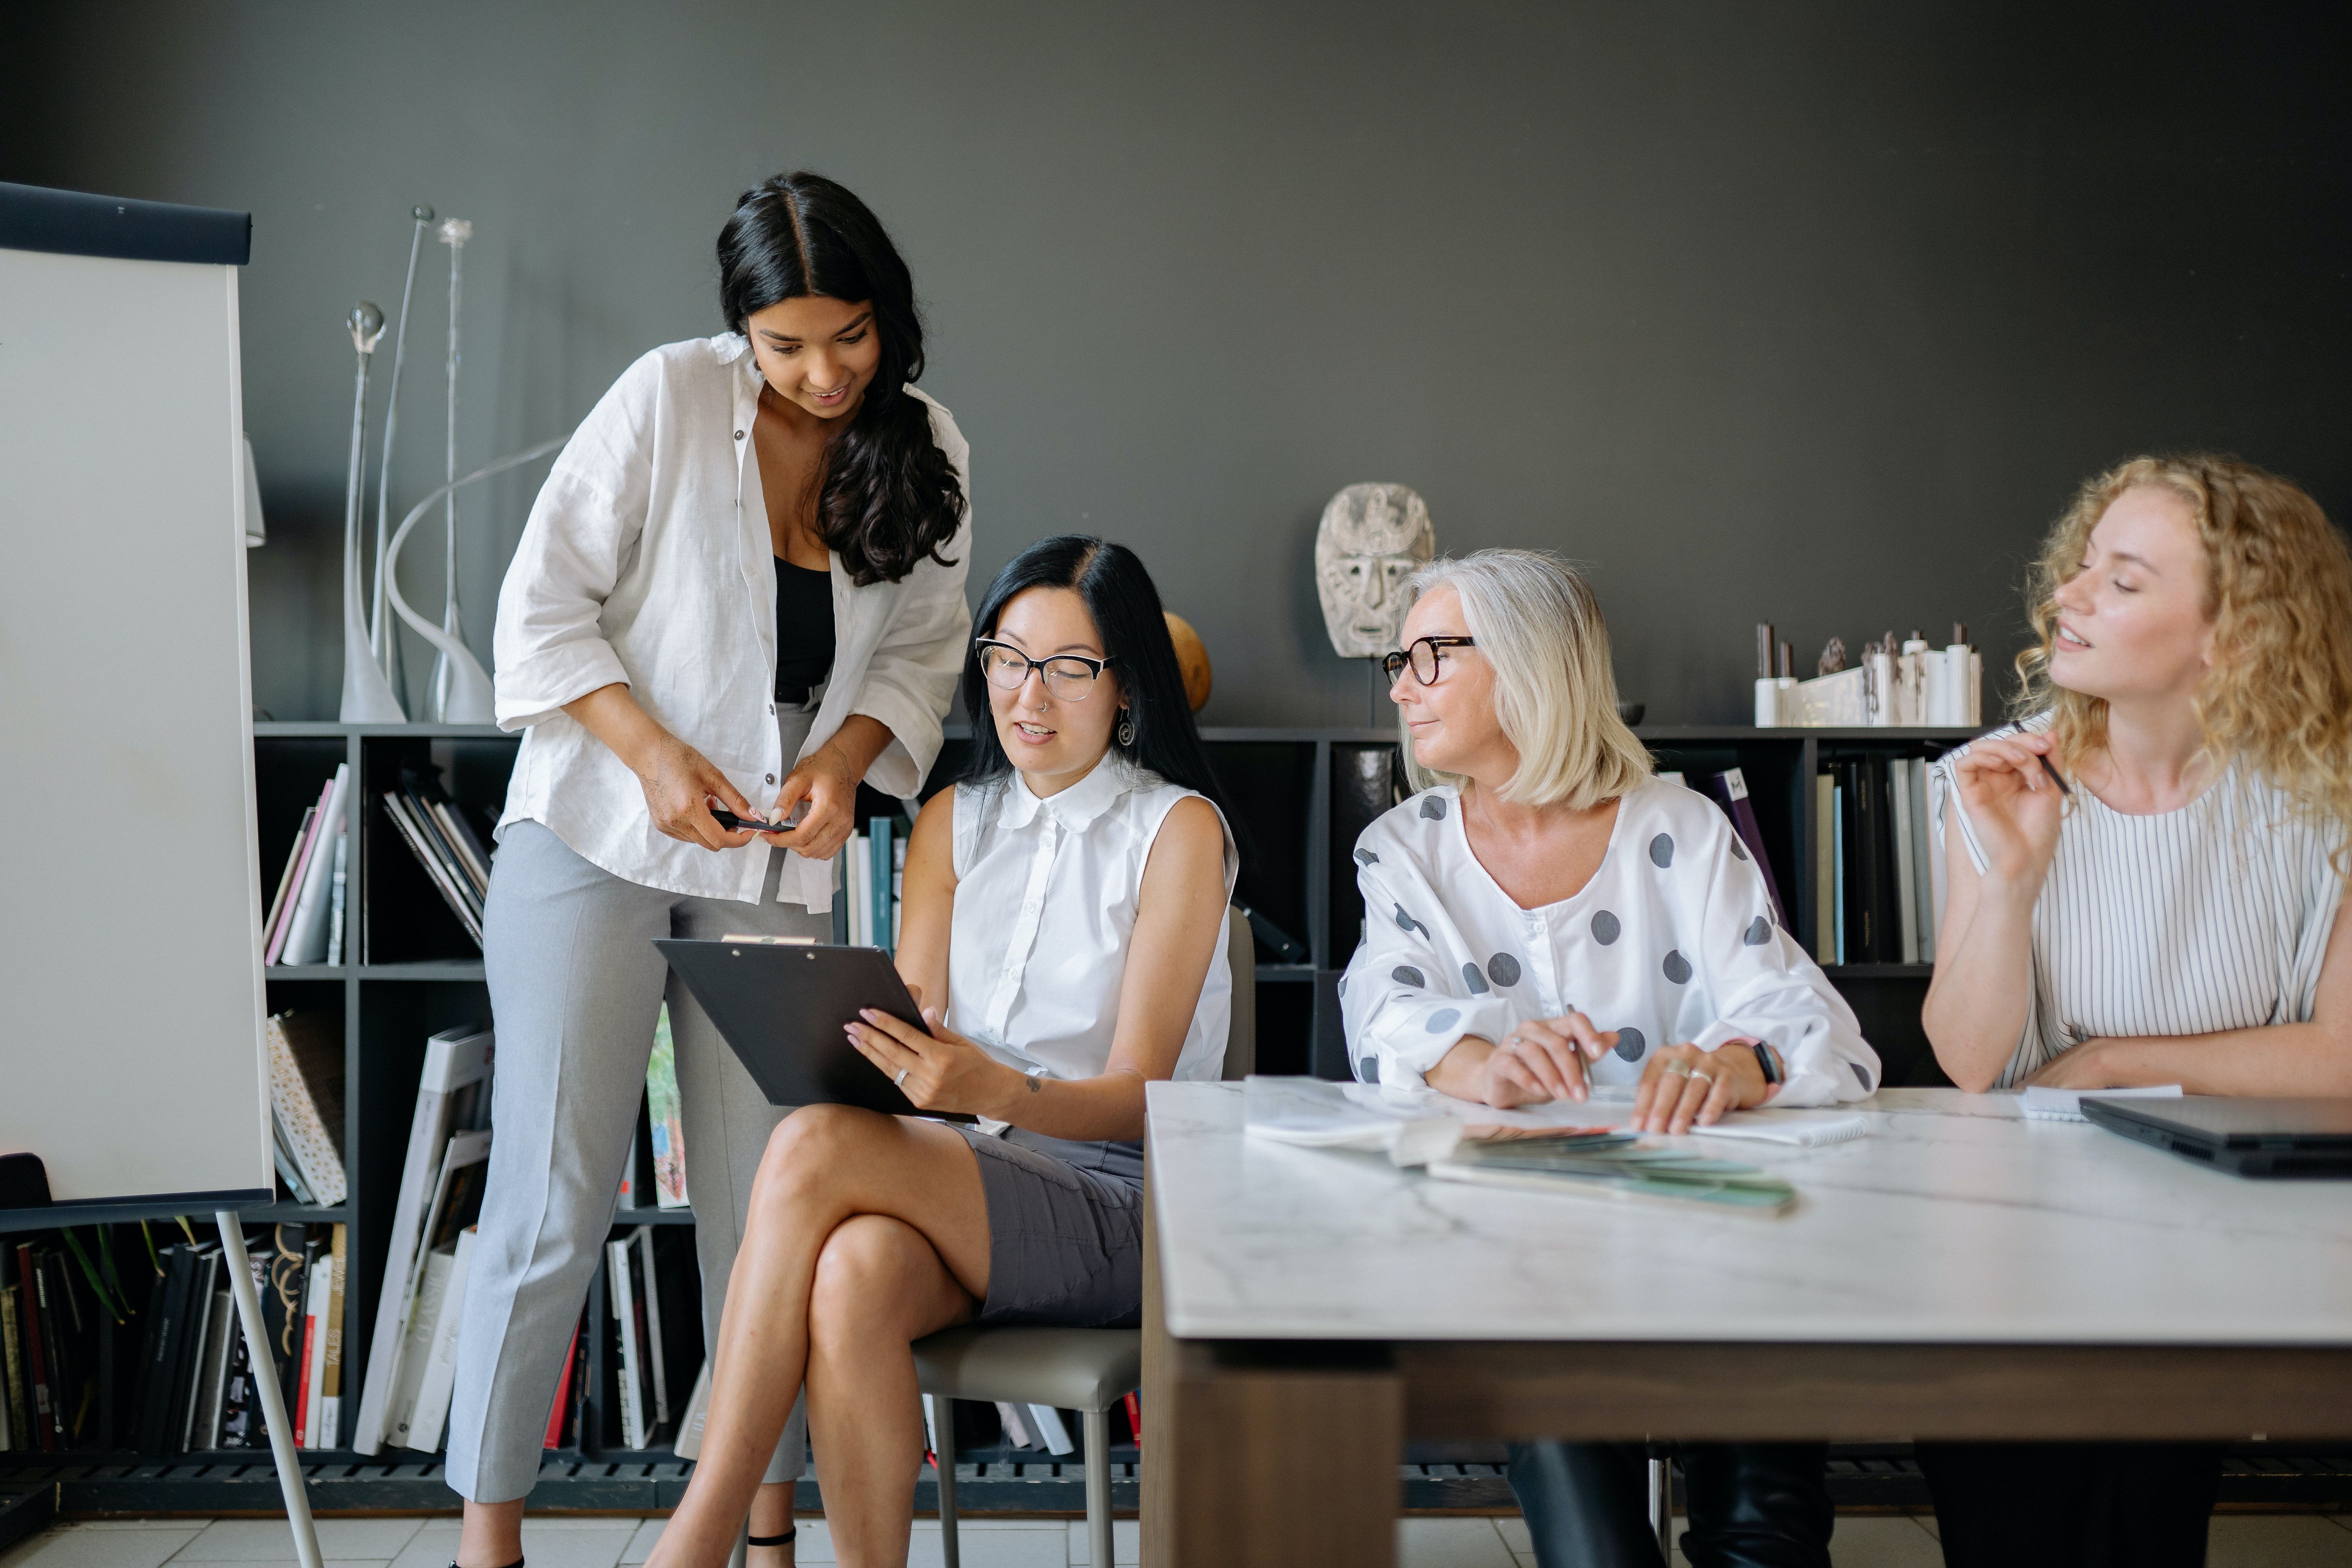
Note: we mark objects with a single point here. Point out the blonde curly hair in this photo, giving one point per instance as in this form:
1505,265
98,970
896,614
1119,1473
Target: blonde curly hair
2278,589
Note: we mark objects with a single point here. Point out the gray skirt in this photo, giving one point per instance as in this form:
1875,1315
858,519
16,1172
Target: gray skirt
1064,1230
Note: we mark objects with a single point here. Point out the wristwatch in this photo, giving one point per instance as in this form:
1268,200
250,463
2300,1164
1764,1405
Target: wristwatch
1769,1060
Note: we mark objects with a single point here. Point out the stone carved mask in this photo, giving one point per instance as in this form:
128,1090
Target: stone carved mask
1372,539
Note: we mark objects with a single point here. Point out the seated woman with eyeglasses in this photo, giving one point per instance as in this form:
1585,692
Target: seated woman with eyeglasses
1546,917
1063,928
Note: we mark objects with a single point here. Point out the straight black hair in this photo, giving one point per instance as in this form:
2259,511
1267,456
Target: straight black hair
1119,593
890,497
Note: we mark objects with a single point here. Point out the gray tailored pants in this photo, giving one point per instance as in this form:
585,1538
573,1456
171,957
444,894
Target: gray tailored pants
575,984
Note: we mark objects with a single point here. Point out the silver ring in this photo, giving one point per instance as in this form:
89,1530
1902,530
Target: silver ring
1695,1073
1676,1070
900,1081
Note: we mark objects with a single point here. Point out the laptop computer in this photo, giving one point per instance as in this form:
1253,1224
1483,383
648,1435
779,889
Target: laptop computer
2244,1137
781,1007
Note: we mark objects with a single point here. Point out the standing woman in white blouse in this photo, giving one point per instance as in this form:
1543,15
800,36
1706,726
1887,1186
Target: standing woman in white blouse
2178,918
740,588
1545,916
1064,916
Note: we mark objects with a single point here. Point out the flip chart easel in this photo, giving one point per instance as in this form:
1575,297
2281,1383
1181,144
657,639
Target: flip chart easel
130,907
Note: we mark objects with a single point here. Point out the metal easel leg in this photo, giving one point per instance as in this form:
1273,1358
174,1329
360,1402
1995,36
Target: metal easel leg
265,1381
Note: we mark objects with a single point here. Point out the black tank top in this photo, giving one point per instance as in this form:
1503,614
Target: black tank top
804,629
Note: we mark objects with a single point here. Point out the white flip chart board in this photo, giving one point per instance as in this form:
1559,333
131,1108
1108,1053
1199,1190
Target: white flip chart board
131,984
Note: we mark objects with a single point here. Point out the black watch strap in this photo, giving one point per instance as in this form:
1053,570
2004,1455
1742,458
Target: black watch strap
1768,1061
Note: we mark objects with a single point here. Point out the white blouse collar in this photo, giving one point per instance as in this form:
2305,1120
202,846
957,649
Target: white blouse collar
1078,805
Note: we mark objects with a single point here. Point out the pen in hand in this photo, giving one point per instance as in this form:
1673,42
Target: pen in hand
2046,768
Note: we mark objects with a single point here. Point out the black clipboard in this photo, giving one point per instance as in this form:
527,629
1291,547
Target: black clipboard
781,1006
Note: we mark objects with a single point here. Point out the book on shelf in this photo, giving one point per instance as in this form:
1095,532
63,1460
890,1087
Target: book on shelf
306,1097
451,874
1825,813
272,936
875,867
306,928
656,1362
21,1438
204,1295
1050,1429
336,881
435,1344
330,1376
1907,904
456,1204
666,1114
688,1442
212,1371
1134,1417
1729,789
622,1291
557,1412
451,1098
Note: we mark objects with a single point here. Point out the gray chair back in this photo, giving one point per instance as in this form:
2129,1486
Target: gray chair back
1241,957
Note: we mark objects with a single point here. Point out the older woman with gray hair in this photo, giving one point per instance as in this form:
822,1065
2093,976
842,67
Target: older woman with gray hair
1547,916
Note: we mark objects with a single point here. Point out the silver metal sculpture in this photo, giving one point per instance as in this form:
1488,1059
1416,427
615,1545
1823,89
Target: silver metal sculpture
1372,538
382,637
454,232
470,698
367,695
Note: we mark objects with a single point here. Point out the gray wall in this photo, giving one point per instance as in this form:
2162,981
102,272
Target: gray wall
1806,312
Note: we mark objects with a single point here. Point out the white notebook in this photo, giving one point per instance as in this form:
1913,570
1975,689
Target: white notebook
1799,1129
2066,1104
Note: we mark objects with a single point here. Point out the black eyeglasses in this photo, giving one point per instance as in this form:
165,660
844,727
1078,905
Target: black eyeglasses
1425,657
1068,676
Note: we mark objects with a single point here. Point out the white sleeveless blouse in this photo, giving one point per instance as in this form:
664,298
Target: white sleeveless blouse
2212,917
1046,893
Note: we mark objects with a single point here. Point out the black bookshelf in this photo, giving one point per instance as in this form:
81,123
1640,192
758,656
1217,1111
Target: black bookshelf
1300,797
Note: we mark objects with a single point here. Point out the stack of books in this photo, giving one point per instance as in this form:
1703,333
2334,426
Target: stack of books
184,1375
1877,872
412,1354
434,828
877,865
306,916
306,1104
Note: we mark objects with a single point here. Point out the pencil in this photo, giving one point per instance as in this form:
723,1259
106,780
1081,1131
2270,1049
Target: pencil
2046,768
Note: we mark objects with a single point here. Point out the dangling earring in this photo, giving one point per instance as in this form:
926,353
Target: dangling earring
1125,735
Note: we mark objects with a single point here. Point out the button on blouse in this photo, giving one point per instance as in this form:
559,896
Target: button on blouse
1671,942
1046,894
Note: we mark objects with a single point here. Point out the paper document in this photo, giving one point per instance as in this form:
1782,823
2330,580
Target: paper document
2066,1104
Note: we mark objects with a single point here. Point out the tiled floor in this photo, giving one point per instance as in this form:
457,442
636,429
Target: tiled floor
2239,1541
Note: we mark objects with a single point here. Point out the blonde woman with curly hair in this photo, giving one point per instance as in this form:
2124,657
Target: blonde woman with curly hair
2146,877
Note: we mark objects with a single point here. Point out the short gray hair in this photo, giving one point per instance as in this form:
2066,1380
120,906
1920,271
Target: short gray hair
1535,618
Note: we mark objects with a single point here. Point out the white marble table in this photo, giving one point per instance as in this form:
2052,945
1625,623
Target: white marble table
1962,1272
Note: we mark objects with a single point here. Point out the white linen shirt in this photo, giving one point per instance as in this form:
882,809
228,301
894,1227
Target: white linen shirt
1671,942
648,559
1046,898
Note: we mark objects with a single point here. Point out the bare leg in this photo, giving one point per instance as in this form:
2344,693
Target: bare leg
772,1514
879,1286
492,1535
824,1165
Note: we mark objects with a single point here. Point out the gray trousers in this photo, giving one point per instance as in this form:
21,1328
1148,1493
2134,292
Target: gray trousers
575,983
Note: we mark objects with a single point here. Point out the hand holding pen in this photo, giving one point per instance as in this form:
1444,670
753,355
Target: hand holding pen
2014,799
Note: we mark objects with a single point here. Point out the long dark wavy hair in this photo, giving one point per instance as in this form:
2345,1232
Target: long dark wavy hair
1120,595
890,497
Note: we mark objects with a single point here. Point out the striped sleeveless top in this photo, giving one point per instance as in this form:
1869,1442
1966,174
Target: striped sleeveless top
2212,917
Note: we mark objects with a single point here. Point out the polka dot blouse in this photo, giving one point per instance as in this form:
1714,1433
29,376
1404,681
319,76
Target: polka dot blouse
1671,941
